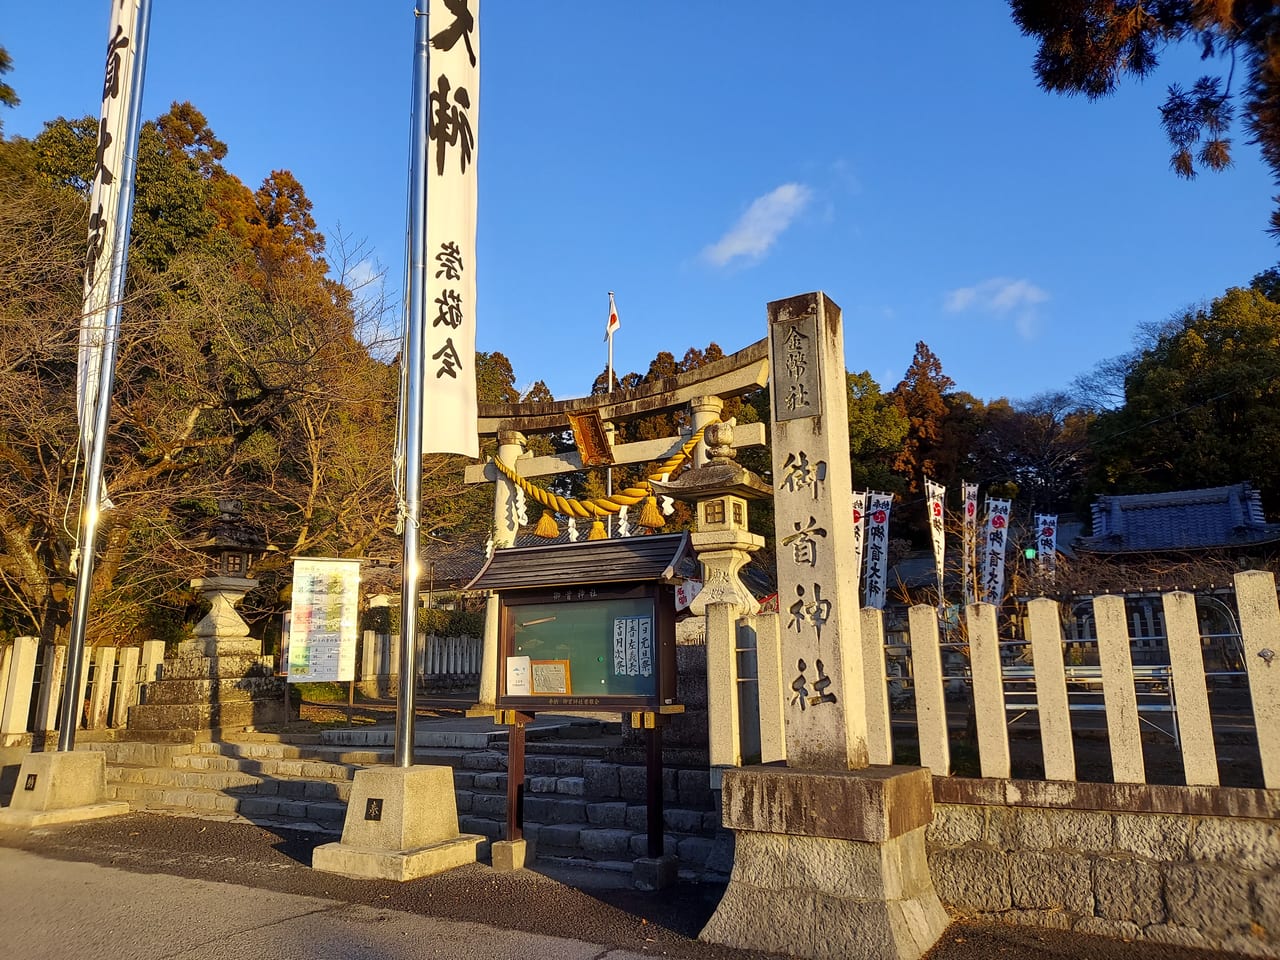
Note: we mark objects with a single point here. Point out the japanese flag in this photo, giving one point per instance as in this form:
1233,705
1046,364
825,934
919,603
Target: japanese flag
613,318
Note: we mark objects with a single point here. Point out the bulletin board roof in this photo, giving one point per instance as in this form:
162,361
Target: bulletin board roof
623,560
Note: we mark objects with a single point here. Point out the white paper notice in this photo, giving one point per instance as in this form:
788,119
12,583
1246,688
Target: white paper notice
518,673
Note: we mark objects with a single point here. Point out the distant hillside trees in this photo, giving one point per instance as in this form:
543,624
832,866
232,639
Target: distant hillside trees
1201,403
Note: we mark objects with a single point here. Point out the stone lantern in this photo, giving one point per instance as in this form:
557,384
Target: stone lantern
720,489
218,679
232,546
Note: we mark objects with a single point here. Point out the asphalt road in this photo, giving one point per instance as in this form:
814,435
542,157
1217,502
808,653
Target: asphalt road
150,887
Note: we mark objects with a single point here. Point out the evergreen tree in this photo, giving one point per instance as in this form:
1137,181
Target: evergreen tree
1088,46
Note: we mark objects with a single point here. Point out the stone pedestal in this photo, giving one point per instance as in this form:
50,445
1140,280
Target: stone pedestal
655,873
65,787
829,864
509,856
402,823
218,679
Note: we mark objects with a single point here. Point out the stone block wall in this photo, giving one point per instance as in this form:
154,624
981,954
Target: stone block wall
593,811
1134,867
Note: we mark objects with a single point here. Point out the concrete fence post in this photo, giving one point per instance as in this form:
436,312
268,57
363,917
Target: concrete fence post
1118,691
17,698
725,746
1188,690
55,668
931,701
393,668
152,659
6,654
103,677
1260,629
126,687
988,690
1045,630
875,682
770,686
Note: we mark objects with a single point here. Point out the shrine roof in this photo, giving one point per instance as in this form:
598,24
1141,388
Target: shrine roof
1210,518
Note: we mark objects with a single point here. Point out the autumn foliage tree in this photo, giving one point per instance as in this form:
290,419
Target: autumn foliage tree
244,369
921,399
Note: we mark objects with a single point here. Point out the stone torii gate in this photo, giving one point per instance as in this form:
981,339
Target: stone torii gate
702,390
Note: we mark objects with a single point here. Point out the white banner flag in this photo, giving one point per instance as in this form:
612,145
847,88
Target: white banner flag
1046,542
994,544
859,530
970,491
935,495
449,338
104,204
878,508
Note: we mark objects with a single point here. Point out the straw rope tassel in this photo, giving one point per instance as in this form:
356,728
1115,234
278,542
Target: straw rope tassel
650,516
601,507
547,527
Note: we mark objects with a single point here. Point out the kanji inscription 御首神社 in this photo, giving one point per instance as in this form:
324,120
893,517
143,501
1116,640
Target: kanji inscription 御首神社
813,509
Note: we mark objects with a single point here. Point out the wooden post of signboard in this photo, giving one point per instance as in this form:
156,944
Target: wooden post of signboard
510,853
515,777
653,784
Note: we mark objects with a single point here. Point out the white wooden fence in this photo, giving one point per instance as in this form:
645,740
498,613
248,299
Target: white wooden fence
438,660
1173,697
31,681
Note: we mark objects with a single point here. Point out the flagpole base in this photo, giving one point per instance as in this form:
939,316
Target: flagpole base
65,787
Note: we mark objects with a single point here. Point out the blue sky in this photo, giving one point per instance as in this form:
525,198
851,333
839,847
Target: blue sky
701,158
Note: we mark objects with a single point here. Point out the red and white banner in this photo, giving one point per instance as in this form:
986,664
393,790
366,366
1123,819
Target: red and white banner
1046,542
878,507
969,540
104,206
935,495
859,532
686,591
449,337
996,541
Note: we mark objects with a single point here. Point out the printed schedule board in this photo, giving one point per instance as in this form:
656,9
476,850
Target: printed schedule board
588,647
324,620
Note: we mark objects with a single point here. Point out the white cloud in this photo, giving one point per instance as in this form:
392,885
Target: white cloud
1001,296
997,295
760,226
362,274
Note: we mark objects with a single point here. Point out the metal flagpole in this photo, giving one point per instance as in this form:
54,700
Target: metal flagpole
69,715
415,321
608,389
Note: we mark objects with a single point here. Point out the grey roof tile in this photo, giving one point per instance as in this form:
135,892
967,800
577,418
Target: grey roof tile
1210,518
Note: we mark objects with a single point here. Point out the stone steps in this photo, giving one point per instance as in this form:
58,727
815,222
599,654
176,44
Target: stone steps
295,814
234,782
578,806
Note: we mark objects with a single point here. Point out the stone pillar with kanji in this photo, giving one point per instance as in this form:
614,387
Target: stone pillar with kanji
829,855
825,713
